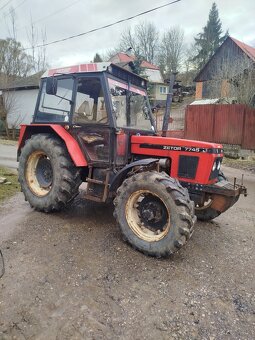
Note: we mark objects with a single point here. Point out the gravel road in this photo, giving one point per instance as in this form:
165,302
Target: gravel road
69,276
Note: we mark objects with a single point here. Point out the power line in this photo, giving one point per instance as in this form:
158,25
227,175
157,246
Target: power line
50,15
7,3
103,27
56,12
21,3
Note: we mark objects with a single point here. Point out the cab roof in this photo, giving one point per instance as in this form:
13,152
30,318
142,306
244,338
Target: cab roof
89,68
81,68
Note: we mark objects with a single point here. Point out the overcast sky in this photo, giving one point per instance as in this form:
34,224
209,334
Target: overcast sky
236,15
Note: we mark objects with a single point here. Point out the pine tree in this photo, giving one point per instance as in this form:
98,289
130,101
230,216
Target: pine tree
97,58
210,39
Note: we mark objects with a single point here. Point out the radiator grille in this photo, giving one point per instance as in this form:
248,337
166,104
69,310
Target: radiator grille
188,166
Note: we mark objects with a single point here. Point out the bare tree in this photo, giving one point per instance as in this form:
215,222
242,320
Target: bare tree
12,23
189,69
38,54
14,62
128,40
171,50
143,40
147,36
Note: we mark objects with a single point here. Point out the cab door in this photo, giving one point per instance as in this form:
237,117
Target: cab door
91,124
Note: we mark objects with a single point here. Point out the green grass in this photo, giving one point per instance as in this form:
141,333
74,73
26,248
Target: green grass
5,189
240,164
8,142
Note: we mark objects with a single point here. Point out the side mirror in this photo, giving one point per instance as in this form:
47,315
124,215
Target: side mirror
51,86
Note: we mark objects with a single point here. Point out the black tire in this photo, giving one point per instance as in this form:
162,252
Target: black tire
176,222
207,213
47,175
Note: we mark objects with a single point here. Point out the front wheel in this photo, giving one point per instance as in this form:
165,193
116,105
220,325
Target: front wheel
154,213
205,212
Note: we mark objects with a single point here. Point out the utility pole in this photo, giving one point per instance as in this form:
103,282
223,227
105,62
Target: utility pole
168,104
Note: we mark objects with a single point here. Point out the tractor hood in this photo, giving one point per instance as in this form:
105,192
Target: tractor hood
173,144
191,161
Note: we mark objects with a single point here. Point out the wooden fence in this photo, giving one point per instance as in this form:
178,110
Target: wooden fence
227,124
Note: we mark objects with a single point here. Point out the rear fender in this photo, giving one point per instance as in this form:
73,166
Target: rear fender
26,131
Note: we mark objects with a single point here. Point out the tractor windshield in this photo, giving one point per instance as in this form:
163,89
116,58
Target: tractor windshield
130,106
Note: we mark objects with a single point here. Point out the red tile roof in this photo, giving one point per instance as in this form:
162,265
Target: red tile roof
250,51
125,58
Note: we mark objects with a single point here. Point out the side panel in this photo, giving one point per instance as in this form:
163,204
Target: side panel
72,145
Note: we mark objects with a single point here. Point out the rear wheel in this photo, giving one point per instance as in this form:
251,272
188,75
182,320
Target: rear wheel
47,175
154,213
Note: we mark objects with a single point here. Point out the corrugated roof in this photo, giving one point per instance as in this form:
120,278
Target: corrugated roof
249,50
154,76
205,101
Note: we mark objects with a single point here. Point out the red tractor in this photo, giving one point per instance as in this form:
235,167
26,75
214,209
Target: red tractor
93,123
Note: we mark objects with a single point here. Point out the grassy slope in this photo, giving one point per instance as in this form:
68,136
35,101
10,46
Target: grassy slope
240,164
8,190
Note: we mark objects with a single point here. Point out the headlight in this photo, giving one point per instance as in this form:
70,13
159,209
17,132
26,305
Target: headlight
214,166
218,165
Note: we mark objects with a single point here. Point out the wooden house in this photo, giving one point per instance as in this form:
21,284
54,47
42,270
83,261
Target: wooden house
229,74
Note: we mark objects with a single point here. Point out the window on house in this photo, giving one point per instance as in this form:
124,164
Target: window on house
163,89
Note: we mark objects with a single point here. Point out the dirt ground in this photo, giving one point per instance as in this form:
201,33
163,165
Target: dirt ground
70,276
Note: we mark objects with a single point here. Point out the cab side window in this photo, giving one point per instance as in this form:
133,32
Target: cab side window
90,103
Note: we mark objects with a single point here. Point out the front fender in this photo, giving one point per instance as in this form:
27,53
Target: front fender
122,174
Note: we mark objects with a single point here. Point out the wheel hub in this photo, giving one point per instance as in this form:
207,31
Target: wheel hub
44,172
153,213
147,215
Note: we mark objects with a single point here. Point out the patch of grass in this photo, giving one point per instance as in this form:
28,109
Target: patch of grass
7,190
240,164
8,142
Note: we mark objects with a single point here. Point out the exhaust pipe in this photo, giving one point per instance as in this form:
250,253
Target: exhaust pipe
168,104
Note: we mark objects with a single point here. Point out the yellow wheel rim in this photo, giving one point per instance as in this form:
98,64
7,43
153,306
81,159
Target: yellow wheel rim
150,223
39,173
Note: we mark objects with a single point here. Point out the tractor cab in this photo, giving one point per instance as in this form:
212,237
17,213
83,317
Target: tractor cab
101,105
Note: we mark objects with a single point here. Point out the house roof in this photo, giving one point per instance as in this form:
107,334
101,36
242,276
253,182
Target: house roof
23,83
248,50
122,57
205,101
154,76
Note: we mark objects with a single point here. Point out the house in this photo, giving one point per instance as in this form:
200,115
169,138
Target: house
229,74
19,98
157,88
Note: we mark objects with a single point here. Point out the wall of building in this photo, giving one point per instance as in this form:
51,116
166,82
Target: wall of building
22,105
159,95
199,90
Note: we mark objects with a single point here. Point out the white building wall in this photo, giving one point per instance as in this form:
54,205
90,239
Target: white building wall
22,106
